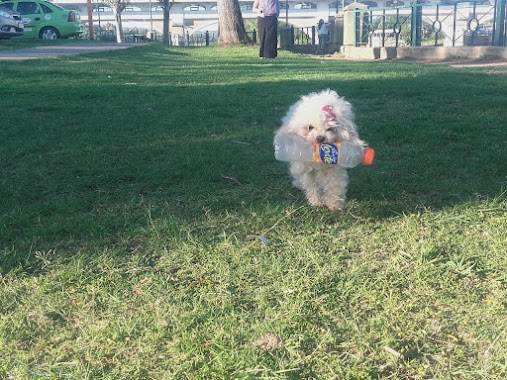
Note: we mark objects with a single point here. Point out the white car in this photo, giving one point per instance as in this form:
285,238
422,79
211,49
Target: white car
11,24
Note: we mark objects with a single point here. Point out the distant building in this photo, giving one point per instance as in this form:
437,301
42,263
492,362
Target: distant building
195,17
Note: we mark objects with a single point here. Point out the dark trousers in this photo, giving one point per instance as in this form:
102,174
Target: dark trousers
323,42
260,29
269,37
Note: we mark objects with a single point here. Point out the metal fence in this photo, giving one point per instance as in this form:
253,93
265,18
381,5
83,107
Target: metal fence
195,39
201,39
304,36
299,36
471,23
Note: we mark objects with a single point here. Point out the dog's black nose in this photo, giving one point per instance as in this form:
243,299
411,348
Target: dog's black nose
321,139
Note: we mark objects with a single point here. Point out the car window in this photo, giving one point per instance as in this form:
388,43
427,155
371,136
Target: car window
46,9
8,5
58,6
28,8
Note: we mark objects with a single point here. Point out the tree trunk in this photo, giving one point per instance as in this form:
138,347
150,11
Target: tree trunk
167,6
118,24
232,28
117,6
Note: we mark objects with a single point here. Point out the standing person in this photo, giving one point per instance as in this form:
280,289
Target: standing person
323,37
269,34
257,8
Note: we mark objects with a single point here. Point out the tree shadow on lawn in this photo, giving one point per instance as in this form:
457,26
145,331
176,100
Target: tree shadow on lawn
439,141
438,144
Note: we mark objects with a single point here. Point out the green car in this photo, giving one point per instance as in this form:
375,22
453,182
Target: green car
45,20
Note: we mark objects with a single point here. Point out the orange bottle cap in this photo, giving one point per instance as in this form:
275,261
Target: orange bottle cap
368,156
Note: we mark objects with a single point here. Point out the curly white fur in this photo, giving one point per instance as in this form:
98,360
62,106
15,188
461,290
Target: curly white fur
322,117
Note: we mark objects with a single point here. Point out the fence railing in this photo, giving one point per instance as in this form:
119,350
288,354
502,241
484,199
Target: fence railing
195,39
470,23
299,36
464,23
304,36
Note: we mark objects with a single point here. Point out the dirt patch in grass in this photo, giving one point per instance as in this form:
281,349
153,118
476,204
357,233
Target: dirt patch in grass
268,342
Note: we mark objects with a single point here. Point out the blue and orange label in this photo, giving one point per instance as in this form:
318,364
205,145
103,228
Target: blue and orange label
326,153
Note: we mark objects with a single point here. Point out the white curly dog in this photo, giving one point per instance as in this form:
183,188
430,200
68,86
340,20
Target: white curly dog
322,117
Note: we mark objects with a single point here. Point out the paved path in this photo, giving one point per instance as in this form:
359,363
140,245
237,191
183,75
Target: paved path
62,50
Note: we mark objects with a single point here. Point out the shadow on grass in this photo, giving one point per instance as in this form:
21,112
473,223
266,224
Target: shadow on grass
158,139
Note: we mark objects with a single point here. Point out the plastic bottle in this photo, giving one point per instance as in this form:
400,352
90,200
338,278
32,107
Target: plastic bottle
345,154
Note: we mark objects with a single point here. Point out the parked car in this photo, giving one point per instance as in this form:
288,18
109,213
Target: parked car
45,20
10,24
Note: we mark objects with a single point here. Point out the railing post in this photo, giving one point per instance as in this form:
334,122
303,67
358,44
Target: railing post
499,26
207,38
365,28
454,24
254,36
384,28
416,23
433,26
313,35
357,25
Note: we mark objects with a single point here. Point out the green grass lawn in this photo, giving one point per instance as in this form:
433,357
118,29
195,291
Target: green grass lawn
147,232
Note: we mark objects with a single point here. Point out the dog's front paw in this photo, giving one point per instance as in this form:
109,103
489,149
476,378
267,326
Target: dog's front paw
314,199
316,203
336,205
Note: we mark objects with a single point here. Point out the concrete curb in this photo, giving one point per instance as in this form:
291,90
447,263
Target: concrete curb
429,53
63,50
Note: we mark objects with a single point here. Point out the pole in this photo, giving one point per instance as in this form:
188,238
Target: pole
90,18
499,25
151,19
286,13
416,24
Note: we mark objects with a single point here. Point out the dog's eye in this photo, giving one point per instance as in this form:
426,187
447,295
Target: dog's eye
331,129
311,127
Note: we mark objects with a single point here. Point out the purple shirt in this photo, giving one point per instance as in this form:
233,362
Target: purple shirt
271,8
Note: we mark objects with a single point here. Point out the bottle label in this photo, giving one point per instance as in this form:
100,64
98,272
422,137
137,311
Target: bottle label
326,153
